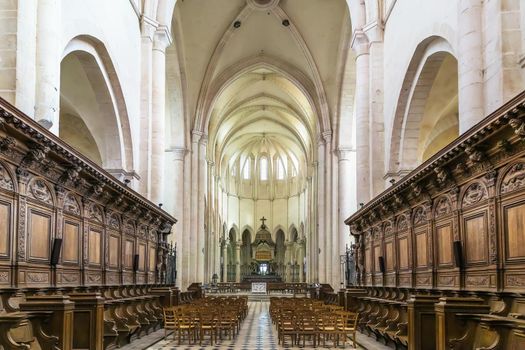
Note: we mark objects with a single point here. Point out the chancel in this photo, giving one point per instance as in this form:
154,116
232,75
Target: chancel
264,173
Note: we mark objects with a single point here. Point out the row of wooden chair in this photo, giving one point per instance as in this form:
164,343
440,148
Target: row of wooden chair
210,316
301,318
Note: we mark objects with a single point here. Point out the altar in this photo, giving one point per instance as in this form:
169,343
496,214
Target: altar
259,287
263,255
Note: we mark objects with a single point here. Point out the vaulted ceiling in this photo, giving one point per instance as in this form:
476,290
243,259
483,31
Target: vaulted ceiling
261,67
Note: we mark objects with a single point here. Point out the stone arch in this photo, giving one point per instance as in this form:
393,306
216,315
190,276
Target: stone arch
433,67
293,233
233,233
230,74
91,99
276,230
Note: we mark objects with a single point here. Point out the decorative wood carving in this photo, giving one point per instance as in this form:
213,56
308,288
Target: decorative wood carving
475,193
39,190
514,178
5,179
420,216
71,204
442,207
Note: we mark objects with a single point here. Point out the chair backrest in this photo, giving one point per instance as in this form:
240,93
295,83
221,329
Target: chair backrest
169,316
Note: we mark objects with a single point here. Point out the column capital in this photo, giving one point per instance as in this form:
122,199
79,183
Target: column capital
148,27
359,43
178,153
210,162
327,135
161,38
203,140
196,136
344,153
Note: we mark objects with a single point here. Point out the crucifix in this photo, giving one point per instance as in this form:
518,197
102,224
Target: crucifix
263,219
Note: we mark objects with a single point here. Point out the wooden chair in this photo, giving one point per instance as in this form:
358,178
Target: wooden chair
186,324
306,326
327,326
227,323
170,322
347,325
286,327
208,325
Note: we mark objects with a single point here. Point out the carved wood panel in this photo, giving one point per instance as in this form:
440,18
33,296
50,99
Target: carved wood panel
39,234
476,249
403,253
421,249
114,250
5,229
95,246
444,244
389,256
71,242
514,223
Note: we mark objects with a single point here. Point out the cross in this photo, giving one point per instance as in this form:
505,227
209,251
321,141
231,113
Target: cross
263,219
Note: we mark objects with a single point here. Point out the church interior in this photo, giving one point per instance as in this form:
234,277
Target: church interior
262,174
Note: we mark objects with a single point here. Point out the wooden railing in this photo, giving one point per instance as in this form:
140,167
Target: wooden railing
451,229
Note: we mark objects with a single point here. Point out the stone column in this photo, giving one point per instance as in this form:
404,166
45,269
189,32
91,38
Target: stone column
194,221
310,233
48,57
470,64
161,40
360,46
175,193
321,267
301,261
328,238
346,204
238,261
146,87
201,234
288,261
26,16
225,262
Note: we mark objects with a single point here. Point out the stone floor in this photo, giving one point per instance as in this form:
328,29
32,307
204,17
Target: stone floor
257,332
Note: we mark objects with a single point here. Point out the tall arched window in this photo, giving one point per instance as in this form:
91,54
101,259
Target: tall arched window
246,173
280,170
264,169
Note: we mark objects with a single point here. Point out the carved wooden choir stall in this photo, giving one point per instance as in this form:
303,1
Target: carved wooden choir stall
441,253
82,256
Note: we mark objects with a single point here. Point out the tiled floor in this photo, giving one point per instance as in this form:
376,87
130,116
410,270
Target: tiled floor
257,332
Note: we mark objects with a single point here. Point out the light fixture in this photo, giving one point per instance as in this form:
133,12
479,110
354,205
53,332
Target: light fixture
237,24
286,22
